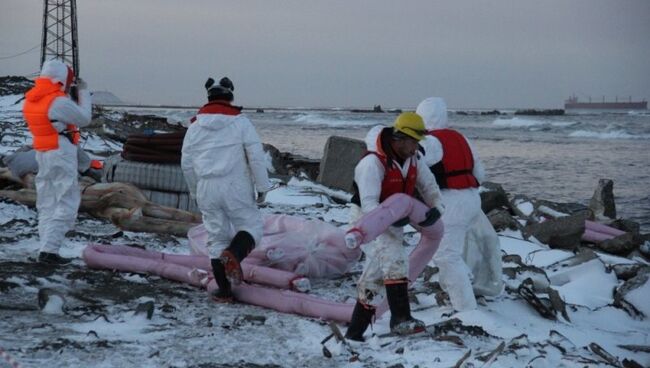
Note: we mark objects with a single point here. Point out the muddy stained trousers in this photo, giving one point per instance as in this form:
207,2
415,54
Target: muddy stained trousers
386,257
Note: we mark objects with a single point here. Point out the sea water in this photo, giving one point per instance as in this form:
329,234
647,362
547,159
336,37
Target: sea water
558,158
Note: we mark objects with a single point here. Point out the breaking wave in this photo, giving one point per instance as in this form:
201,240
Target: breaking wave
528,123
332,121
613,134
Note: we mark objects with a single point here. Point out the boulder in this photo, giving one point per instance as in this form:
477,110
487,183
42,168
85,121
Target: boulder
288,164
644,247
626,271
501,220
628,226
523,207
493,197
602,202
563,232
632,296
565,208
340,157
620,245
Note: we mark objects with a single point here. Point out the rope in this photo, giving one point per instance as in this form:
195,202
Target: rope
18,54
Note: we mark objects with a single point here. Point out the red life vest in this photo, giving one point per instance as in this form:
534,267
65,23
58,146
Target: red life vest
454,171
394,182
35,111
218,107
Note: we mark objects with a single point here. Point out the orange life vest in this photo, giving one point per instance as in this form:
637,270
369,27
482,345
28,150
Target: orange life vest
454,171
35,111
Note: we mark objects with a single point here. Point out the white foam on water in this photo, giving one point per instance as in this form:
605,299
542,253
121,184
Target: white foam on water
612,134
319,119
518,123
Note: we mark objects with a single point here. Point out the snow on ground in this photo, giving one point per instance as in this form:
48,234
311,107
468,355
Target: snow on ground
98,326
91,317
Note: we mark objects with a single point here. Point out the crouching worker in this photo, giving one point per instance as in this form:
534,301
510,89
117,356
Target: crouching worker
53,119
391,166
223,163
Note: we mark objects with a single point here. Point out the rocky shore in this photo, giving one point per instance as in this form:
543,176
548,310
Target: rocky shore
561,287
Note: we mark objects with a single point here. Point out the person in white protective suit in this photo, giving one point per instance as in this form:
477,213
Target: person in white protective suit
54,119
391,166
458,171
224,166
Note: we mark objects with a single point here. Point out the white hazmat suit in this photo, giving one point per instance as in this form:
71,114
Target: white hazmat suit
57,187
462,207
224,165
385,257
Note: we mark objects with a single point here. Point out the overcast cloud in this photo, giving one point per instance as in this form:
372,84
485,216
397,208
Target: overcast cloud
489,54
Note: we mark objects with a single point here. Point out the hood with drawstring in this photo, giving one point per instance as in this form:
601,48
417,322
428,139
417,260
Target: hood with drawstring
433,111
57,71
55,76
371,138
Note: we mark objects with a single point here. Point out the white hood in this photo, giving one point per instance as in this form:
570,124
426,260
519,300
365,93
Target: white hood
371,137
433,111
56,70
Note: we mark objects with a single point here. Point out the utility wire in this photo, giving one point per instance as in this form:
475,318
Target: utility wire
16,55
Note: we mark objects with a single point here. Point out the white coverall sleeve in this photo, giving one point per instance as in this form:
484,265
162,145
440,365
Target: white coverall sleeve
187,166
66,111
256,157
479,169
428,187
368,174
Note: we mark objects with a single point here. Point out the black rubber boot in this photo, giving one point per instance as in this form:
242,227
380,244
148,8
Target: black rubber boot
224,294
401,321
53,259
242,244
361,318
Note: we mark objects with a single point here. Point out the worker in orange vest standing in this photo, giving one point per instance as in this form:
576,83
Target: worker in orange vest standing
54,118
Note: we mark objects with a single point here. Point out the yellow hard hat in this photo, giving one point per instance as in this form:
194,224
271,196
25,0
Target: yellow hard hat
410,124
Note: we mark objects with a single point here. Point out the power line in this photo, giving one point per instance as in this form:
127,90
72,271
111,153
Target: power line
21,53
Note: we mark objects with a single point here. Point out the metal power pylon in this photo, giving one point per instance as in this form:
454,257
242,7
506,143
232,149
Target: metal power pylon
60,32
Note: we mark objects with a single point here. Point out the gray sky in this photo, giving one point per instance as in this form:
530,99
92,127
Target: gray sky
487,54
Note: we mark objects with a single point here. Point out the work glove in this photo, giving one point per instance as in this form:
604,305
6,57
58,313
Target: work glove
432,216
81,84
402,222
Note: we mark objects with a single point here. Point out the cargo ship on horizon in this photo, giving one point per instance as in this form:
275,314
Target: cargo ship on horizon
572,104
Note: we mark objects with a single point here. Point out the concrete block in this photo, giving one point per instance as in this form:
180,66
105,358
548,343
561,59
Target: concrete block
340,156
